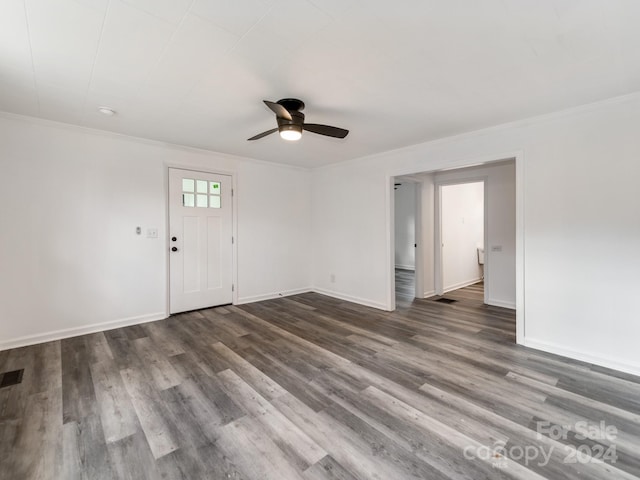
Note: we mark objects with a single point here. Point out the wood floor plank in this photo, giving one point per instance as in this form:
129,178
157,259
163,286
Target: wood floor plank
78,395
116,411
158,430
193,415
210,386
301,450
46,371
218,465
157,365
328,469
98,349
132,458
72,464
85,444
163,338
254,452
254,377
39,438
292,380
182,464
124,355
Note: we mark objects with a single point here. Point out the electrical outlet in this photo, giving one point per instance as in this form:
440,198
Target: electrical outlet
152,233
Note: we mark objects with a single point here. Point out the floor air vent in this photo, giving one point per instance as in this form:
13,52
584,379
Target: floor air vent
11,378
446,300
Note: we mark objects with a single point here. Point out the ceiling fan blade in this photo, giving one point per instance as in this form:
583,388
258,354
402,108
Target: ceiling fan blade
278,109
263,134
327,130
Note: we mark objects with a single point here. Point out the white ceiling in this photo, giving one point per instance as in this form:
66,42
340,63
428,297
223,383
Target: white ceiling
395,73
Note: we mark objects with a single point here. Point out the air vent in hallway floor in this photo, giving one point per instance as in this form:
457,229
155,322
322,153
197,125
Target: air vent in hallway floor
11,378
446,300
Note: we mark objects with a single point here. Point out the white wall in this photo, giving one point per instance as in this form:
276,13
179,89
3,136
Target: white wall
274,229
500,266
405,225
70,200
348,221
580,179
462,233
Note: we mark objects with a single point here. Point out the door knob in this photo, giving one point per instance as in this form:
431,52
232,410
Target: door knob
173,239
174,249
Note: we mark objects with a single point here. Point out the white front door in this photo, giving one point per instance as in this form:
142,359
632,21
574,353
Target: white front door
200,240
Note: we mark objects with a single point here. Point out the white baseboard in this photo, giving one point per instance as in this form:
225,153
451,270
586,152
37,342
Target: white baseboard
349,298
322,291
76,331
501,303
613,363
429,294
270,296
125,322
461,285
406,267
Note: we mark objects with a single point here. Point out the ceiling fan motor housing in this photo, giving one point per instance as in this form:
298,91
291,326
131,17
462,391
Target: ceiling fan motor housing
291,104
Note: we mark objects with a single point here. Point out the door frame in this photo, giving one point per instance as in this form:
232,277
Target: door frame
434,165
417,235
438,266
234,225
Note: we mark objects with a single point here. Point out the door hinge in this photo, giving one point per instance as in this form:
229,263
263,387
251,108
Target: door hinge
233,240
233,287
232,192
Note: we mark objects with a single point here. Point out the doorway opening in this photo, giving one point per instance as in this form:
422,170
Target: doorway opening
406,211
460,230
494,257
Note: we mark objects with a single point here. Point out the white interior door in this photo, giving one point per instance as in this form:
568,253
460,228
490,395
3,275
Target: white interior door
200,240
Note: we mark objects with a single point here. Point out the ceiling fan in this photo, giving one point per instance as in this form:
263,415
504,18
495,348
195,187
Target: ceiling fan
291,121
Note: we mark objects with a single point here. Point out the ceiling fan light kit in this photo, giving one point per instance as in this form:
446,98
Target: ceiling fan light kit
290,132
291,121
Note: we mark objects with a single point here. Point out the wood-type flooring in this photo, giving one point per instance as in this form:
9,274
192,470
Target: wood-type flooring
310,387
